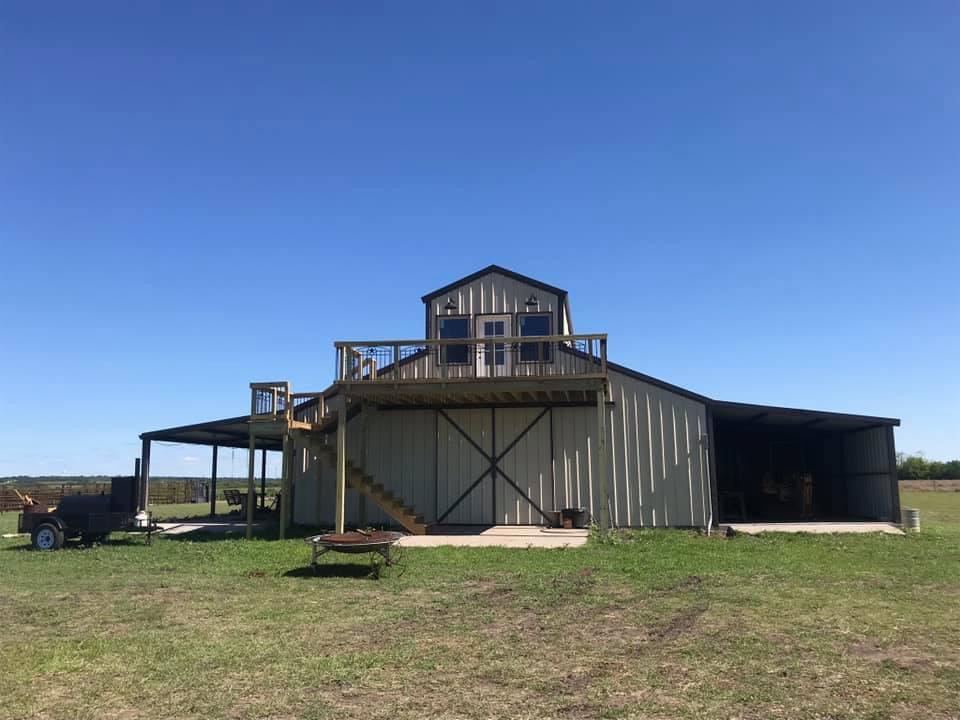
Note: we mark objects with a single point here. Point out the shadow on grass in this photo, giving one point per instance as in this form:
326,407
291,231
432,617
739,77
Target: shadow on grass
68,545
264,532
333,570
239,532
220,517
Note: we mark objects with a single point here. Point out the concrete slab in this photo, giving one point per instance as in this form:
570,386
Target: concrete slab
817,528
512,536
182,528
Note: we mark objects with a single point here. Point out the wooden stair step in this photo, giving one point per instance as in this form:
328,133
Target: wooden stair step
384,498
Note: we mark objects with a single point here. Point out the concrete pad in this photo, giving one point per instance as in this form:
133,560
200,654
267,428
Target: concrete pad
182,528
508,536
816,528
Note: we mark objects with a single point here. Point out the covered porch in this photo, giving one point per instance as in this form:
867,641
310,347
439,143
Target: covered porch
233,433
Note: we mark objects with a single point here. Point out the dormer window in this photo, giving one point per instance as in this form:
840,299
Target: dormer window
535,324
454,326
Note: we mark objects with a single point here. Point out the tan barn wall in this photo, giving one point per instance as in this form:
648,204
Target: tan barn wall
657,461
494,293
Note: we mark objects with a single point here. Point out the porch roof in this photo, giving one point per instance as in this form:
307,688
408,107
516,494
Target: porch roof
228,432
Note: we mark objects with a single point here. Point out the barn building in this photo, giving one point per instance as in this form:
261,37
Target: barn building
502,414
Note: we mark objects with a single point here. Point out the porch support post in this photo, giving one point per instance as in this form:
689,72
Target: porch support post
263,478
145,475
602,461
285,484
361,498
213,481
251,491
340,509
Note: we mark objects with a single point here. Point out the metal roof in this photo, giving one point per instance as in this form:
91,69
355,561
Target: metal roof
559,292
794,417
229,432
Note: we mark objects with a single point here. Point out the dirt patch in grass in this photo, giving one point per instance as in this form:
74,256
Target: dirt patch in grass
680,624
905,658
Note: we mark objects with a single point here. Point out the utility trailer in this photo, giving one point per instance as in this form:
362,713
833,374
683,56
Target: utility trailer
89,517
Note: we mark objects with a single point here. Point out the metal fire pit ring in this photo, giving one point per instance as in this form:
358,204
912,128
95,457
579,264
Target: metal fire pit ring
352,543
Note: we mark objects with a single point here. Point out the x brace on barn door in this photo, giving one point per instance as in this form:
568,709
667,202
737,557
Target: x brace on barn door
494,470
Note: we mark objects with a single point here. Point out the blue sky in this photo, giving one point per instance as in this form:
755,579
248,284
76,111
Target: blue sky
758,201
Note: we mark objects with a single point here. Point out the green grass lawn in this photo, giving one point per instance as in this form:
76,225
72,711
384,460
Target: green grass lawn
661,624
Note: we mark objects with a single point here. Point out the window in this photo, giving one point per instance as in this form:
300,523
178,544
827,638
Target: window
534,324
449,326
495,354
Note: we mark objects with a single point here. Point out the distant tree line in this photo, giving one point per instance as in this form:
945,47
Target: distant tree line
917,467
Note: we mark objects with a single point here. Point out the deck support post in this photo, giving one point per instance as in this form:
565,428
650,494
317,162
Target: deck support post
145,475
251,491
340,509
213,481
602,461
286,486
263,478
361,498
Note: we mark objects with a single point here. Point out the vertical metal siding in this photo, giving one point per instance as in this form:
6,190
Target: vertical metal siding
527,464
866,465
459,464
399,454
658,462
657,456
494,293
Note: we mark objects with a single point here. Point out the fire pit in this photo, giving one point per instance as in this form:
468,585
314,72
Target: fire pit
355,541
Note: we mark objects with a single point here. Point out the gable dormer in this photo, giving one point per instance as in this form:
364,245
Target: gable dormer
496,301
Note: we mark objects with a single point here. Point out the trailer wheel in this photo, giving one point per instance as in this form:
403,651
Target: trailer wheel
47,536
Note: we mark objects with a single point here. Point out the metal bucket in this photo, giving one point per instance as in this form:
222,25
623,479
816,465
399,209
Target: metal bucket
911,518
575,517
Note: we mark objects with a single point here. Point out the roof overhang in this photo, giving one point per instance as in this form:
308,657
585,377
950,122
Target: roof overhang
229,432
559,292
771,415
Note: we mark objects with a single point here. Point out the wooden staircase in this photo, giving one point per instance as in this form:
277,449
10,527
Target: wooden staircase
381,497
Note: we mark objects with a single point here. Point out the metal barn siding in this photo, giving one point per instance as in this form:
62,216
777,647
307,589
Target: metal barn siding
315,489
439,462
658,458
306,488
494,293
460,464
523,438
869,475
398,448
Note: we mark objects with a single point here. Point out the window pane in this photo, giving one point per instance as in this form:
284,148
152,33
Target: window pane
534,325
454,328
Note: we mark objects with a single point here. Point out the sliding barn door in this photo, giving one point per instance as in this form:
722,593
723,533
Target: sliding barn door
494,466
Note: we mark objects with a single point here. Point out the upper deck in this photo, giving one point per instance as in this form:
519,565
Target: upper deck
531,368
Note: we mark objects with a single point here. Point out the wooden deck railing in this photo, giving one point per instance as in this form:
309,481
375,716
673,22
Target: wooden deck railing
471,358
274,401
